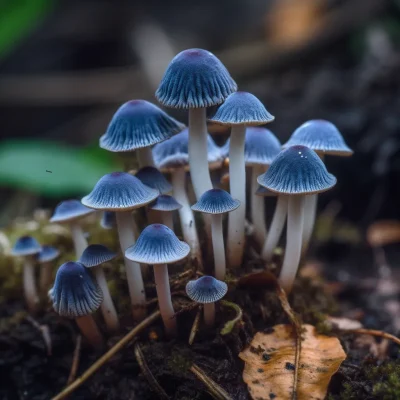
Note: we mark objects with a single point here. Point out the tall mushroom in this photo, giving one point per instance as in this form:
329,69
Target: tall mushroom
161,210
45,258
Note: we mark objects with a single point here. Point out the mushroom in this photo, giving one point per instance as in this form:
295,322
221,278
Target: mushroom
196,79
207,290
76,295
45,258
137,125
157,245
93,256
108,220
152,177
161,209
217,202
122,193
70,212
27,247
240,109
295,172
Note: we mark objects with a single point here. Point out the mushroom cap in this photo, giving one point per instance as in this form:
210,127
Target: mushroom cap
96,254
165,202
138,124
48,253
26,246
152,177
297,170
119,191
195,78
264,192
174,153
108,220
157,244
242,108
75,293
321,136
206,289
69,210
216,201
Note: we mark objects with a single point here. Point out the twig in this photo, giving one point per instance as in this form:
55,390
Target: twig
373,332
75,360
231,324
107,356
195,326
45,332
154,385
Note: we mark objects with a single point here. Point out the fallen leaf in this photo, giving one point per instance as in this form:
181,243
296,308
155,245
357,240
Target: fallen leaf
383,232
270,359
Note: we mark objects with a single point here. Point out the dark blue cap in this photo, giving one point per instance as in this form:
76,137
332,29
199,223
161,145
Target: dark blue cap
321,136
75,293
138,124
119,191
69,210
216,201
26,246
48,253
157,244
165,203
195,78
206,289
242,108
297,170
96,254
108,220
153,178
264,192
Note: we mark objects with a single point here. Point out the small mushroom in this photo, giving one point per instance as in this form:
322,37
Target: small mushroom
108,220
157,245
207,290
93,256
45,258
152,177
162,208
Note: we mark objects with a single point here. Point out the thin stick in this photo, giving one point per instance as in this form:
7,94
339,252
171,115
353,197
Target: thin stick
373,332
45,332
195,326
75,360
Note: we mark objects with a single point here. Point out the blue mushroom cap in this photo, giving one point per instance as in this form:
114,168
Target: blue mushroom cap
108,220
48,253
195,78
96,254
138,124
69,210
165,203
242,108
157,244
216,201
26,246
153,178
75,293
297,170
264,192
206,289
119,191
320,136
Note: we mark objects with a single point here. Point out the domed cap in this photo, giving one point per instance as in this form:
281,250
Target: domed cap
47,254
216,201
69,210
165,203
320,136
264,192
297,170
153,178
75,293
108,220
138,124
157,244
206,289
242,108
96,254
195,78
119,191
26,246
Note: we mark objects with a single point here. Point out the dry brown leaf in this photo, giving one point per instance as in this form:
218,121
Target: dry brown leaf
384,232
269,363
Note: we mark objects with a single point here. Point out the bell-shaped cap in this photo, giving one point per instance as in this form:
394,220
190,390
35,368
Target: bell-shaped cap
75,293
138,124
47,254
242,108
119,191
153,178
195,78
321,136
165,203
206,289
157,244
108,220
70,210
264,192
216,201
297,170
26,246
96,254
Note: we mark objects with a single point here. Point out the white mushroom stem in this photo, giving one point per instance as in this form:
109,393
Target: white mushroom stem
167,219
310,211
90,331
276,228
237,173
209,314
45,277
78,237
126,235
29,284
164,299
145,157
217,235
154,216
257,206
293,242
107,306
